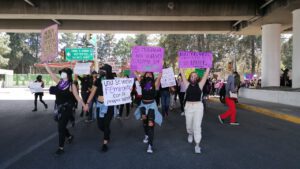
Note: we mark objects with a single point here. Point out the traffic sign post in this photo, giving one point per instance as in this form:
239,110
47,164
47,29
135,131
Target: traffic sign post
79,54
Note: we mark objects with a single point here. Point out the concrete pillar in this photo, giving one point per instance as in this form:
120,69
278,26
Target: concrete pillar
296,49
271,55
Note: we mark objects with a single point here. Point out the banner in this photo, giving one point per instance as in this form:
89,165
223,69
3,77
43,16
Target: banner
49,43
82,68
117,91
147,59
35,87
168,78
189,59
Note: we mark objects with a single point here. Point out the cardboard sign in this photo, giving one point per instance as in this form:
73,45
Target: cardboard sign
35,87
147,59
82,68
117,91
189,59
49,43
168,78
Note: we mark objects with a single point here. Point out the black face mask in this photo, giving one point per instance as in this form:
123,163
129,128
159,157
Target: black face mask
149,79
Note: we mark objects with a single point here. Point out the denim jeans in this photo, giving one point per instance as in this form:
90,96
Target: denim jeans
165,102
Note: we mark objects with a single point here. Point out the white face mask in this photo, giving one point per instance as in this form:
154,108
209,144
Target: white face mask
63,75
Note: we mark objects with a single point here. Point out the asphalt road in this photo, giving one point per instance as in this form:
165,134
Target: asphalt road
29,139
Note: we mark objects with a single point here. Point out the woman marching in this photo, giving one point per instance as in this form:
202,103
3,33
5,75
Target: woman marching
194,106
65,91
148,111
104,113
39,94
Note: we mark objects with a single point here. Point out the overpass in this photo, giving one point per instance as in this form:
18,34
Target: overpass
249,17
147,16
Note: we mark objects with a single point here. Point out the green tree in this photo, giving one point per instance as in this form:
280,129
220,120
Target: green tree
122,50
69,40
287,53
106,44
4,49
141,39
23,49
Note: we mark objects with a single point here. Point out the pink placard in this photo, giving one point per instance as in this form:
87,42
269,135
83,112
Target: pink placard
188,59
49,43
147,58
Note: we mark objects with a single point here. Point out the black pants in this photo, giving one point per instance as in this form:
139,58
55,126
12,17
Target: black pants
85,97
63,132
40,95
127,109
182,101
149,130
104,122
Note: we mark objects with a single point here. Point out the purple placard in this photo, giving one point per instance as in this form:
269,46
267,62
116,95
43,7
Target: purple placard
200,60
49,43
147,59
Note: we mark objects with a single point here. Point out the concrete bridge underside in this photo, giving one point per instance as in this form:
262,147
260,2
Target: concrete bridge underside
147,16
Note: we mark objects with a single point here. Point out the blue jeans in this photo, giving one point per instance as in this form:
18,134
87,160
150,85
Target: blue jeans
165,102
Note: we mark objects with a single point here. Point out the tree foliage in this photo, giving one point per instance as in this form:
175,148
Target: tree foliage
4,49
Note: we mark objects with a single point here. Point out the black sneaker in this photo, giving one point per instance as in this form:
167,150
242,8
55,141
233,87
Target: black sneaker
70,139
104,148
34,110
59,151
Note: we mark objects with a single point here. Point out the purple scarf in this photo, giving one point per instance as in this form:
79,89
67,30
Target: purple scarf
63,85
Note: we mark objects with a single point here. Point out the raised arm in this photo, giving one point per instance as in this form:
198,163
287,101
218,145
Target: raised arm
157,81
185,81
53,76
138,77
204,78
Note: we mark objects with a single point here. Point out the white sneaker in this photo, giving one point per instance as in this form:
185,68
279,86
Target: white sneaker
190,138
182,114
197,150
149,150
146,139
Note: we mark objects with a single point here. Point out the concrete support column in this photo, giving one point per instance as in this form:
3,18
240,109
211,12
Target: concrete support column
296,49
271,55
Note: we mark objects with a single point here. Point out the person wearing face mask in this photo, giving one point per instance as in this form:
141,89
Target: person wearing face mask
104,113
194,106
86,85
39,94
65,92
147,110
231,87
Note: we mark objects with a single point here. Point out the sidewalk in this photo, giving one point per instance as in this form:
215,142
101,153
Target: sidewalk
280,111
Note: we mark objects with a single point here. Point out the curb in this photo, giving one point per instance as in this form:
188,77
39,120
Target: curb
267,112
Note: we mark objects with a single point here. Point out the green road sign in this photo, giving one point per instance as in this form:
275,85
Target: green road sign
79,54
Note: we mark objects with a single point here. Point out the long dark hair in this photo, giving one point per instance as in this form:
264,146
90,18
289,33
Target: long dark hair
69,73
198,79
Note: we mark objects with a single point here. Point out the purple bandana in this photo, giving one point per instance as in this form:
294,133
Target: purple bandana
63,85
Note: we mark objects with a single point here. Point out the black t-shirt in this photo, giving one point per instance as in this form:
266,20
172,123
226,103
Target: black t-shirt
98,84
86,83
148,90
193,93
